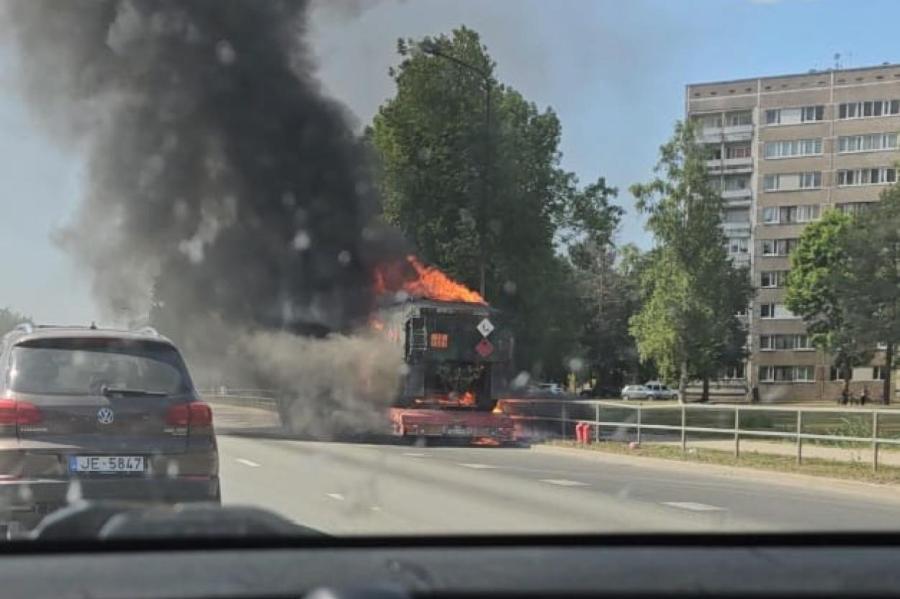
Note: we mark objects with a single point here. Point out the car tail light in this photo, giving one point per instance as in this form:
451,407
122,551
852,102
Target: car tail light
19,412
193,413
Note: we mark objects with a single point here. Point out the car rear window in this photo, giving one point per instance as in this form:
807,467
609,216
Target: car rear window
87,365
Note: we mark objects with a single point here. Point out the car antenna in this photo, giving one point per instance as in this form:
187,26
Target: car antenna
93,326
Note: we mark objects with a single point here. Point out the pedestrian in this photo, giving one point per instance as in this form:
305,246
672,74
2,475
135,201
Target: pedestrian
865,396
754,394
845,396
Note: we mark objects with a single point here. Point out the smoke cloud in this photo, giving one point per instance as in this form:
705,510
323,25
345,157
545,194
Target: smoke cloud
226,193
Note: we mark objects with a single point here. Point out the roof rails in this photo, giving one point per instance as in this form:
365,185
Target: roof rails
25,327
148,331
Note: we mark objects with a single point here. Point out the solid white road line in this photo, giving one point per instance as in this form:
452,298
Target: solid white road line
562,482
694,507
336,496
250,463
478,466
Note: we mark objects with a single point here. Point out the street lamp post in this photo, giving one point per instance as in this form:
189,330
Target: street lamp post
433,50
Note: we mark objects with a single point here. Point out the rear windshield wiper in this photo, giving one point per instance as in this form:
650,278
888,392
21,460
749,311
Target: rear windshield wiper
107,391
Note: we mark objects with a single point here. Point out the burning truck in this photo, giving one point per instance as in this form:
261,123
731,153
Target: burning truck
457,354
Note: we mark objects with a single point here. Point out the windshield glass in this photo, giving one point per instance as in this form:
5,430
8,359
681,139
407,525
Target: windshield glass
78,366
450,266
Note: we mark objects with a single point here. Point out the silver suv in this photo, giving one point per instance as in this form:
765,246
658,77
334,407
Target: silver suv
649,390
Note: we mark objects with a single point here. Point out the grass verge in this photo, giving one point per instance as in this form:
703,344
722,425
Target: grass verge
858,471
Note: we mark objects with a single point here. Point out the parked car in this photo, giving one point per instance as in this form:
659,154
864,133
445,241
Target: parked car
111,414
650,390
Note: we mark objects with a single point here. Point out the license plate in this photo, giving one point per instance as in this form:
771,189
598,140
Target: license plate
106,464
458,431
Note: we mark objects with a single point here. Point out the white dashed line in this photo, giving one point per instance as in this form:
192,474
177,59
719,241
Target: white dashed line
250,463
375,508
336,496
415,455
562,482
694,507
478,466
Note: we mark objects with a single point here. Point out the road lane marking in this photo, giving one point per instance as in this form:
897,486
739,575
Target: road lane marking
478,466
694,507
562,482
336,496
415,455
250,463
375,508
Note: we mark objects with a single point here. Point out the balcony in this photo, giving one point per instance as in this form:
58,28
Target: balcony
737,133
739,229
737,194
738,165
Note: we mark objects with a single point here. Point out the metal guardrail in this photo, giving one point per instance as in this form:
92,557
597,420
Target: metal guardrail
566,418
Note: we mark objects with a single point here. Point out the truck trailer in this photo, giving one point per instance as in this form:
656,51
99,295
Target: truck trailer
458,357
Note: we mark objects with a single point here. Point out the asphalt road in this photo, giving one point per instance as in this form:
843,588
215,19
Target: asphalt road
343,488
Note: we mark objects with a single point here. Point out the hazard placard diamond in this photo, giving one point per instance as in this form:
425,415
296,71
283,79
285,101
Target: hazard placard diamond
485,327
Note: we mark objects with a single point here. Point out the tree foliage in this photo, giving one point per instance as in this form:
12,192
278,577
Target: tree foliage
692,291
845,283
437,155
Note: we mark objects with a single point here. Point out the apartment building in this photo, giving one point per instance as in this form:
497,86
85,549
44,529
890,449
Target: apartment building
783,150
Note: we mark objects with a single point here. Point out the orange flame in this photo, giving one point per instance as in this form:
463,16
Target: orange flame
429,283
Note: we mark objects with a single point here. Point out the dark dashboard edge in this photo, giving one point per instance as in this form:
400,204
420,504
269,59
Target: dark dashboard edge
704,540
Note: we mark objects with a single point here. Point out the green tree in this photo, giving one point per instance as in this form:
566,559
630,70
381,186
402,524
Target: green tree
438,153
814,290
870,283
10,318
692,292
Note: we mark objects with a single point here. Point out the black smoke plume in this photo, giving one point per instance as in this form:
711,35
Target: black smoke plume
226,196
218,173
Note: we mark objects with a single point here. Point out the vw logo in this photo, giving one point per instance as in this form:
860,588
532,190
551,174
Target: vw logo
105,416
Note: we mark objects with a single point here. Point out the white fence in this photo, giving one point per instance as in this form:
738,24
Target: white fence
795,424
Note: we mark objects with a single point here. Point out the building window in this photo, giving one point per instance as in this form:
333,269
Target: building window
770,279
738,245
872,142
777,247
785,343
778,311
868,108
739,119
879,373
736,183
787,374
793,116
737,215
735,372
710,121
835,374
792,181
785,215
795,147
853,208
804,374
741,151
866,176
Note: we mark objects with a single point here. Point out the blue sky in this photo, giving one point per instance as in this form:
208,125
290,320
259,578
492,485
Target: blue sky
613,70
